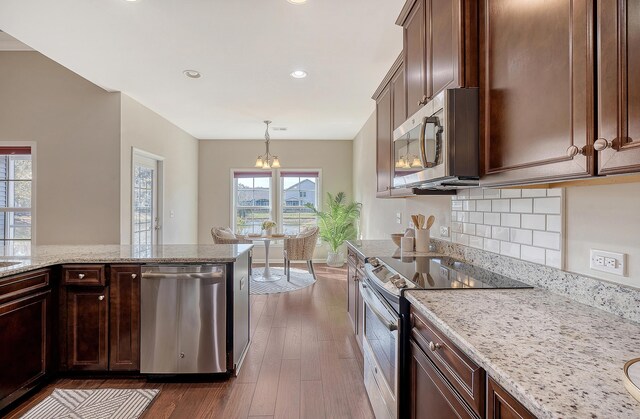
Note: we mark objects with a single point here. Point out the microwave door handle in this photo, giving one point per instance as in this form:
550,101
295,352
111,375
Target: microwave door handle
423,146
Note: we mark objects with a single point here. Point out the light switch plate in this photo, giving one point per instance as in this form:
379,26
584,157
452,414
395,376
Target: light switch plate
444,231
399,217
610,262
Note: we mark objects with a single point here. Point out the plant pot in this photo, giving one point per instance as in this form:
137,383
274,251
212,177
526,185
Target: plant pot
335,259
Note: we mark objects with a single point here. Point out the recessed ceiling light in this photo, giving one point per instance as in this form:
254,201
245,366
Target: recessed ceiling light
131,0
299,74
192,74
297,1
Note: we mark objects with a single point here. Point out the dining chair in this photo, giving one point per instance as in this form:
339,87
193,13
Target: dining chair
224,235
301,247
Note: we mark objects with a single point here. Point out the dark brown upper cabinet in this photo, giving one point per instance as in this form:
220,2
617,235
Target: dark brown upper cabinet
440,47
618,77
536,90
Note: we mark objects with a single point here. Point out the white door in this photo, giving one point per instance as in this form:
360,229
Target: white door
145,218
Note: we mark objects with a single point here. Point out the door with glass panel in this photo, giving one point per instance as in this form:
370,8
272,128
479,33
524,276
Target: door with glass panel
15,200
145,218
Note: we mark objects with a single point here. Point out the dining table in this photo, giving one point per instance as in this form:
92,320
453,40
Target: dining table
267,275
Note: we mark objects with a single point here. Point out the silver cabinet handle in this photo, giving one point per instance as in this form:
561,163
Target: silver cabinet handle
134,276
424,100
181,354
101,298
434,346
574,150
80,276
602,144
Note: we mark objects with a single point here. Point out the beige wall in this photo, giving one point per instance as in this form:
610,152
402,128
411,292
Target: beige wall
217,158
148,131
76,128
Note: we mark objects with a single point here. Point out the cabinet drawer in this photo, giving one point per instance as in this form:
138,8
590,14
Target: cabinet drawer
19,285
465,376
83,275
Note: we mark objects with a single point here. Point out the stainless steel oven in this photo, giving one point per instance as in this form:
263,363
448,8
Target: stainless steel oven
438,147
381,351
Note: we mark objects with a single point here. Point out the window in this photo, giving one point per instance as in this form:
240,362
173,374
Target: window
15,198
252,201
298,189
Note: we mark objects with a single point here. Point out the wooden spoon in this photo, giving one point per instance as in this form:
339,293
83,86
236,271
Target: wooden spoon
430,221
414,218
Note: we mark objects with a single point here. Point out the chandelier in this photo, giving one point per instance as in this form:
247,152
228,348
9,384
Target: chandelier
267,160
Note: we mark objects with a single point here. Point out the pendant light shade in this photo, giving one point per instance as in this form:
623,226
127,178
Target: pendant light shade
267,160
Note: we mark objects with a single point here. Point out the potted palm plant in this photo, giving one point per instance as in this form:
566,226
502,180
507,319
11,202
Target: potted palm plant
337,225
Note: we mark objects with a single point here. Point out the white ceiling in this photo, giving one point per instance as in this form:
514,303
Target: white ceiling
245,50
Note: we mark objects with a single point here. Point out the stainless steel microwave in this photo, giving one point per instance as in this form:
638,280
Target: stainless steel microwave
438,147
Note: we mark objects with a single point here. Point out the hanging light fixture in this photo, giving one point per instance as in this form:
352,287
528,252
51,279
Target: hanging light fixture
267,160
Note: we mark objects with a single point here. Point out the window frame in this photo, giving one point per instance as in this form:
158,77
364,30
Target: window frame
34,177
276,193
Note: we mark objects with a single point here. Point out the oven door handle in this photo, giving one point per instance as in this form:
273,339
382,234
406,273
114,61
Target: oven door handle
372,306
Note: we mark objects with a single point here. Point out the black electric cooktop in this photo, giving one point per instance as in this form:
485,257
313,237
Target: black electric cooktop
426,272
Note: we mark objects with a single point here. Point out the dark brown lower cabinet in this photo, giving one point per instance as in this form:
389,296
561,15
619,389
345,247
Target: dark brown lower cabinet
88,328
502,405
352,294
124,318
24,344
431,396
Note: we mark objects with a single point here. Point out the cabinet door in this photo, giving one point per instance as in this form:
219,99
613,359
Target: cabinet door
399,102
24,341
502,405
383,141
88,329
124,318
443,45
415,58
352,292
430,394
618,32
536,90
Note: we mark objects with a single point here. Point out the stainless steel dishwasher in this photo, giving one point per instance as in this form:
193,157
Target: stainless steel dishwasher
183,319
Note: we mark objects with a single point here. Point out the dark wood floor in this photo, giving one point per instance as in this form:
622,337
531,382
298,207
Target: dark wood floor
303,362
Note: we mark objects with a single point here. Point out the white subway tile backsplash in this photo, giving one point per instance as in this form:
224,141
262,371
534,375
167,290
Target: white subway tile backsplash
521,236
547,205
500,205
491,245
510,193
547,240
533,193
510,220
476,217
522,205
532,254
492,193
469,205
500,233
483,205
533,221
510,249
521,223
554,223
483,230
492,218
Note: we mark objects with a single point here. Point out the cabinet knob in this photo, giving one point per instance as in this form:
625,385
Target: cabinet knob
134,276
101,298
434,346
181,354
423,101
574,150
602,144
80,276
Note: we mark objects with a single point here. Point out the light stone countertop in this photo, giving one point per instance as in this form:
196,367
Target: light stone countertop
382,248
43,256
559,358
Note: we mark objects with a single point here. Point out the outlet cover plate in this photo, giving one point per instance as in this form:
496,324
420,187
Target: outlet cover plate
617,268
444,231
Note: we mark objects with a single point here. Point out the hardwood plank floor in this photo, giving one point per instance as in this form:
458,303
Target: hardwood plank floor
303,362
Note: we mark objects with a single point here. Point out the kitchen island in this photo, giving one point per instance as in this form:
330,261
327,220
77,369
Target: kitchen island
68,310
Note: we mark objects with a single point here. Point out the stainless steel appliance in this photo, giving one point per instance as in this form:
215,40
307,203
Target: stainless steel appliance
183,319
438,147
385,319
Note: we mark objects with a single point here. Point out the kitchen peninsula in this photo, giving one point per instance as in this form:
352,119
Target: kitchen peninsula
77,309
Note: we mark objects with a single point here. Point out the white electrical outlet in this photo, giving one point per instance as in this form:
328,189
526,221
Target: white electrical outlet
399,217
613,263
444,231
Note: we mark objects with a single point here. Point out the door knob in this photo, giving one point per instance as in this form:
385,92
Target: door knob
434,346
602,144
574,150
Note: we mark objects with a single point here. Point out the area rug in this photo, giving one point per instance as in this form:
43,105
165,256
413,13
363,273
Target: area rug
108,403
299,279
